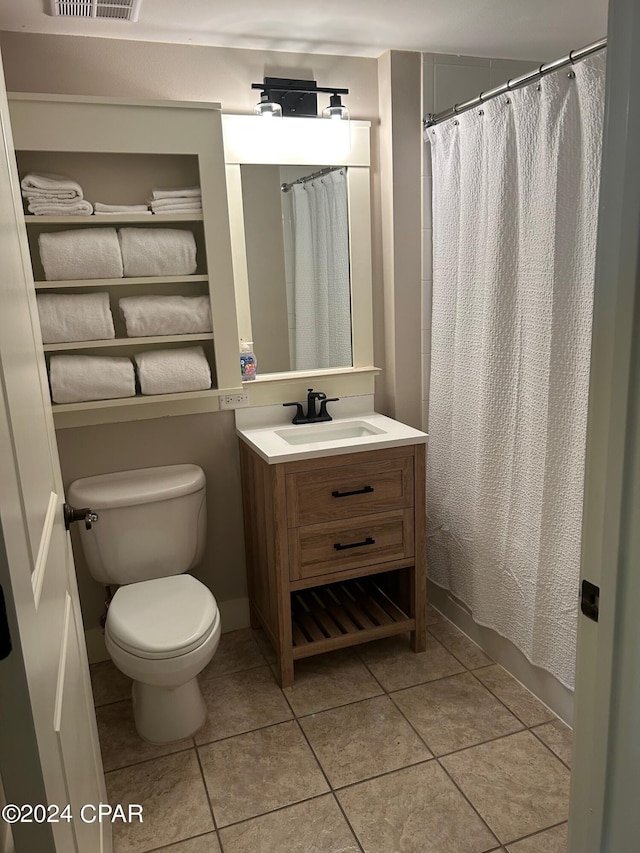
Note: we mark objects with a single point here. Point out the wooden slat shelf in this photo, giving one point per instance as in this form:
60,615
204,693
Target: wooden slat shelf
343,614
149,280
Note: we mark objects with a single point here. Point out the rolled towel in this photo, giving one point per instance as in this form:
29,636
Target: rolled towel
59,207
166,315
169,371
82,253
75,317
79,378
47,183
157,251
193,192
120,208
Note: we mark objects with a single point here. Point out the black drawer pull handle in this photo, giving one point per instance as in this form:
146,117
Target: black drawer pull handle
367,541
364,491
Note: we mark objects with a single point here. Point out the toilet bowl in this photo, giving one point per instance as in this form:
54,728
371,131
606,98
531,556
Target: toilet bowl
163,626
162,633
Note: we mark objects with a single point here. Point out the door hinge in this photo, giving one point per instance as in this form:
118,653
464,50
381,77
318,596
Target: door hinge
590,600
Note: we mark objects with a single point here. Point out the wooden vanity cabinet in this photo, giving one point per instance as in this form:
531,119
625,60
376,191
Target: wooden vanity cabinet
335,550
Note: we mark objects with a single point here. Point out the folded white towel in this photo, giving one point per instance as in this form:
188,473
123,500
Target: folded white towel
120,208
49,195
46,182
157,251
180,207
60,207
82,253
169,371
75,317
78,378
166,315
160,203
193,192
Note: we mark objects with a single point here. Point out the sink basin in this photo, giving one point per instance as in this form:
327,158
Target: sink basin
315,433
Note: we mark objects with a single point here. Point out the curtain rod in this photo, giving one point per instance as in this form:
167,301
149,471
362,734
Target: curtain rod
327,170
515,83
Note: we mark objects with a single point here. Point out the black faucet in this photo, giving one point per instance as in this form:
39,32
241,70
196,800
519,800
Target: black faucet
312,416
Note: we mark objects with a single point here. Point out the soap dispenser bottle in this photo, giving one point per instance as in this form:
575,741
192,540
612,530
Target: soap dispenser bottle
248,361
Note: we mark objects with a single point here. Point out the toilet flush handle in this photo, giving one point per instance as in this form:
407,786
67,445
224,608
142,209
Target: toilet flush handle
85,514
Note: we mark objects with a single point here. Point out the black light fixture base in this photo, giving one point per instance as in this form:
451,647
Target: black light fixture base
296,97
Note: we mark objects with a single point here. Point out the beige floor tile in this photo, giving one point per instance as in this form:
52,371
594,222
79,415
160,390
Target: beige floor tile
260,771
396,666
108,683
551,841
327,681
516,697
515,783
316,826
240,703
173,797
455,712
415,810
557,737
365,739
202,844
237,651
467,652
121,744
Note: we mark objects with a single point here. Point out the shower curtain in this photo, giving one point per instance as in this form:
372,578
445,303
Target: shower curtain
515,198
321,273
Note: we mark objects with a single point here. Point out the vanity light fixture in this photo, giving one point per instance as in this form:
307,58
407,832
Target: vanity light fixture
298,98
336,109
267,107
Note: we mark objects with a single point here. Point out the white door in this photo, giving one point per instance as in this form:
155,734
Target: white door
49,751
604,814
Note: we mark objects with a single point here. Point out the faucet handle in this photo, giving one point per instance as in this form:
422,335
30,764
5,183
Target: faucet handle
299,415
324,414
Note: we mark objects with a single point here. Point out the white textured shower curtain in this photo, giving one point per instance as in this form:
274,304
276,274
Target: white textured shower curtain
515,197
321,277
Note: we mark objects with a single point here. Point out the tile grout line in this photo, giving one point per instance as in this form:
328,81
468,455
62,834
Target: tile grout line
551,750
147,760
331,788
537,832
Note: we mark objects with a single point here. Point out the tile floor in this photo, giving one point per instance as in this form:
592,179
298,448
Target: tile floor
373,749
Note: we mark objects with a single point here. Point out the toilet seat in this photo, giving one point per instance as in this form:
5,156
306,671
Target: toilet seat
162,618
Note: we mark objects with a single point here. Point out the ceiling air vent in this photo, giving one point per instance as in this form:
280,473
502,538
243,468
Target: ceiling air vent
115,10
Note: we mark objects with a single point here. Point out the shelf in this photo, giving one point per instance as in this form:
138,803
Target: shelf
343,614
110,219
120,282
127,342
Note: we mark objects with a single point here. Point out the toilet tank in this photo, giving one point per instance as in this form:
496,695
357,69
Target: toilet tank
151,522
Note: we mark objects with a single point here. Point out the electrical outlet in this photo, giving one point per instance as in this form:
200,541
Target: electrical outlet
234,401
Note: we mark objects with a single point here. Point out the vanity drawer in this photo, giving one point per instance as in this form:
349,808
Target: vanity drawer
349,490
363,541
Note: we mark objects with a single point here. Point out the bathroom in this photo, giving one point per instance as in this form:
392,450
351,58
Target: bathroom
393,85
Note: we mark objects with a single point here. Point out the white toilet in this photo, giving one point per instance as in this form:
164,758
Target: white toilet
163,626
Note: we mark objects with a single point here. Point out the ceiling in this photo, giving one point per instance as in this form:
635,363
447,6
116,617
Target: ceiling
507,29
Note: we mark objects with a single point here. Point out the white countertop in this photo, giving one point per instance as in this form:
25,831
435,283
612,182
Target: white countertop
273,448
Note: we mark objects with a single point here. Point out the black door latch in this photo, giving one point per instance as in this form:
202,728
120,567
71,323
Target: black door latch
590,600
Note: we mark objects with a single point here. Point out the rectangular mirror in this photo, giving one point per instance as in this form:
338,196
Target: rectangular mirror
299,205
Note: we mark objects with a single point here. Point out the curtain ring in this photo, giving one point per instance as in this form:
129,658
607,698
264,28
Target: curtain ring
571,75
480,112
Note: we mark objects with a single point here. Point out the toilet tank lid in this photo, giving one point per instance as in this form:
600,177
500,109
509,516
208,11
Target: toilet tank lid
140,486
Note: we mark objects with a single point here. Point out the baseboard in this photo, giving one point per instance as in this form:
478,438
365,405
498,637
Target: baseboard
233,613
541,683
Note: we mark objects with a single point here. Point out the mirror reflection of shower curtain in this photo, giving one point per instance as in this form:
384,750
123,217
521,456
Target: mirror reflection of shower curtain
515,208
321,279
